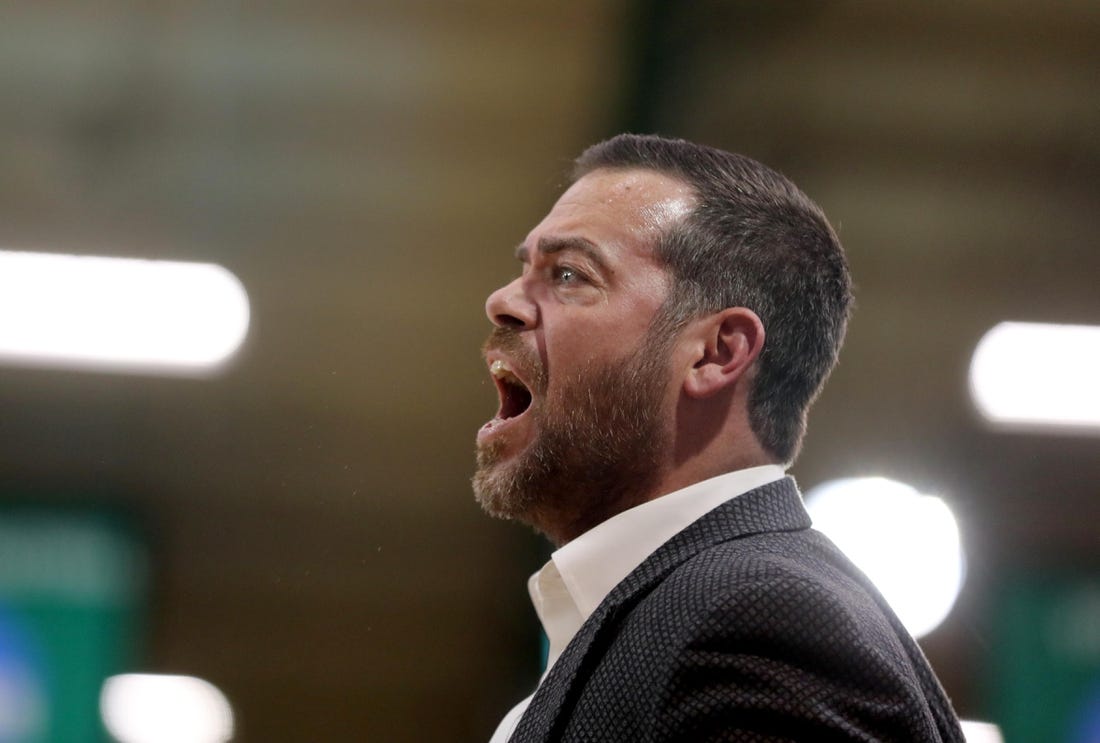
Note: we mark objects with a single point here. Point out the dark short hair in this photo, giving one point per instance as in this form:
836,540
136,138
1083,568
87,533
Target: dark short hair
753,240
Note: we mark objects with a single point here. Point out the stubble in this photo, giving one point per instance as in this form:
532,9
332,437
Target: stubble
598,444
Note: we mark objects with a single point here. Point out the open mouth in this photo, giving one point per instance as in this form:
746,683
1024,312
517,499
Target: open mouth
515,397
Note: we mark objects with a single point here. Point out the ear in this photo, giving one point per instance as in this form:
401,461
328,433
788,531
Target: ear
725,346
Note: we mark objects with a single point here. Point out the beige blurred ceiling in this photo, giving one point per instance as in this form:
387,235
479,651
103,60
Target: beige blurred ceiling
366,169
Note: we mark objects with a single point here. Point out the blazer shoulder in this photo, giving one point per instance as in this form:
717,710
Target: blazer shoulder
784,626
767,585
772,635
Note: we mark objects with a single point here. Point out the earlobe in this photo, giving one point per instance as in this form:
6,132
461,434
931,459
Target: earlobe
729,342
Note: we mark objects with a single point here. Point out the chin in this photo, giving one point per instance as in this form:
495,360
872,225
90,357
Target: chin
495,484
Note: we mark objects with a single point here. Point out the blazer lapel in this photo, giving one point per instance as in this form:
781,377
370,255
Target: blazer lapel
774,507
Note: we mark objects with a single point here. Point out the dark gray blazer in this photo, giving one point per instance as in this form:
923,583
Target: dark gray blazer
745,626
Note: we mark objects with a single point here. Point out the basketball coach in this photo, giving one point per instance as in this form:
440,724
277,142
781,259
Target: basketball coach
677,312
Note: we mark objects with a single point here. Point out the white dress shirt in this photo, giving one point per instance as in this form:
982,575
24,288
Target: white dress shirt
580,574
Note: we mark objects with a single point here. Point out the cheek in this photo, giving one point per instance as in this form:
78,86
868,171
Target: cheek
570,356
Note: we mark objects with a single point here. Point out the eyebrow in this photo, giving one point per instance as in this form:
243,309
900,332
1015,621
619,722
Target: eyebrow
551,245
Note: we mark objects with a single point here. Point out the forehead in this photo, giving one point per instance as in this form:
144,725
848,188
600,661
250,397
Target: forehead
619,211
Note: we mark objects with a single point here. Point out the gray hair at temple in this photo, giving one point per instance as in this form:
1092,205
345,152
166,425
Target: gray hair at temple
753,240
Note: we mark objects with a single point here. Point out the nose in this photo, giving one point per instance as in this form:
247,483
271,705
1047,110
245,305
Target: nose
510,307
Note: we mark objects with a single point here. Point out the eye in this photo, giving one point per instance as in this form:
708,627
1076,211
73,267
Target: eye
565,274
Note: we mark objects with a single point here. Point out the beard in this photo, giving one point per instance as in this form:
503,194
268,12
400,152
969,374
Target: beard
597,448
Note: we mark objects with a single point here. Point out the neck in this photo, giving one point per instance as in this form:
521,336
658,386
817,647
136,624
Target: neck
704,465
708,443
561,527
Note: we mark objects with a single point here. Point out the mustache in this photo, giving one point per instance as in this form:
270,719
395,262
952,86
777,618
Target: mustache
507,341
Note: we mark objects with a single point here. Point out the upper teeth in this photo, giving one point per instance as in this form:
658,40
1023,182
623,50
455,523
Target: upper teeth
500,370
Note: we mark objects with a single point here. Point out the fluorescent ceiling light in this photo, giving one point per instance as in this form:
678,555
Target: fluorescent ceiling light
151,708
121,314
1030,374
907,544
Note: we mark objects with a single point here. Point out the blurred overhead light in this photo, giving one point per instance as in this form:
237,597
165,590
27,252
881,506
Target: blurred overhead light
119,314
1030,374
149,708
907,544
981,732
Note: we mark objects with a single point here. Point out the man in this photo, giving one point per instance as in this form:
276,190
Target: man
677,312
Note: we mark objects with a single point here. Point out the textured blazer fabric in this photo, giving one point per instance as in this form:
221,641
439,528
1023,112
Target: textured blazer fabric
746,626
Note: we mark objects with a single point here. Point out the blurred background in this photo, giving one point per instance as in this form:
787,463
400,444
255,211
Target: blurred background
298,528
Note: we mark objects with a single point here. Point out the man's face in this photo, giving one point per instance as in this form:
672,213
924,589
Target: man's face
586,394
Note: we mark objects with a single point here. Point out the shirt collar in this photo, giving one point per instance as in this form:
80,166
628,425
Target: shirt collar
580,574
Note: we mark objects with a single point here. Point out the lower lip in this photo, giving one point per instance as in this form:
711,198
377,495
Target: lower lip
496,426
490,429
